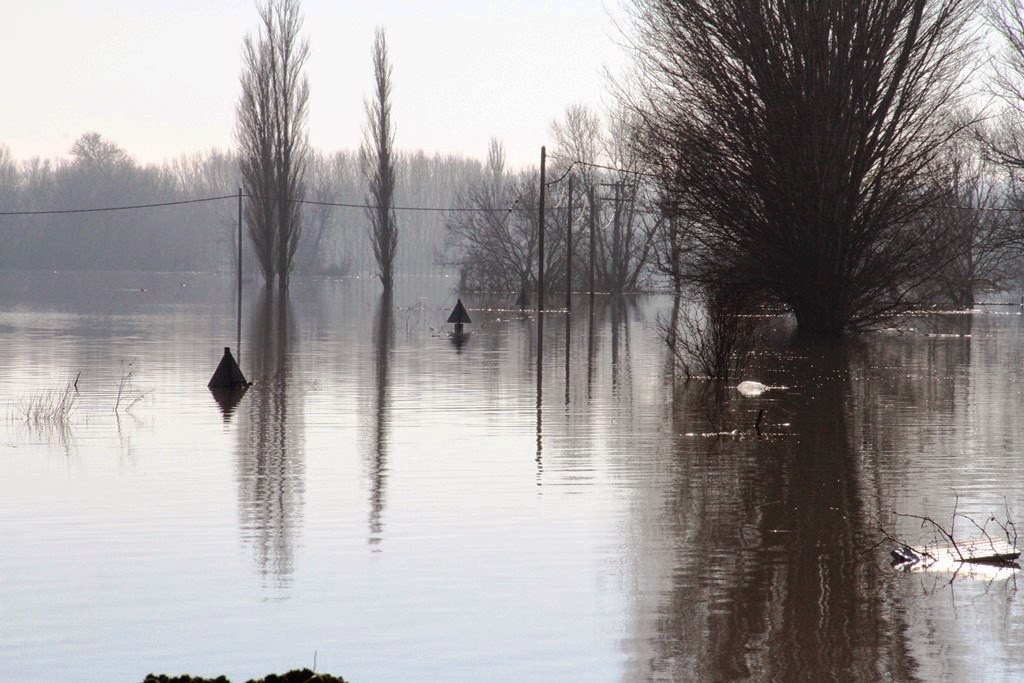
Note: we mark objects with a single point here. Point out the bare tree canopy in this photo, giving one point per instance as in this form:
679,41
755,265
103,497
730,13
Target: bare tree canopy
378,162
798,135
984,240
494,245
92,149
603,161
271,133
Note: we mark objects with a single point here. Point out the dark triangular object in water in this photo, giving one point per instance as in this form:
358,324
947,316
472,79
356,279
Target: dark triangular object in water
459,315
227,375
524,299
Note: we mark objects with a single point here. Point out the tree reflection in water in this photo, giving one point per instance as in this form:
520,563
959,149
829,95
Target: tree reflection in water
763,572
383,338
269,459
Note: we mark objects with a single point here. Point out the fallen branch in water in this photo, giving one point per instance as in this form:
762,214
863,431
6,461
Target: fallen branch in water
947,550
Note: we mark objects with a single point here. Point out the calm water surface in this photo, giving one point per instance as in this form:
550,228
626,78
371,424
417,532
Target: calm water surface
404,508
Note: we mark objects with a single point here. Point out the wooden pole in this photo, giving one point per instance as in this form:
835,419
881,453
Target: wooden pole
568,253
540,235
238,331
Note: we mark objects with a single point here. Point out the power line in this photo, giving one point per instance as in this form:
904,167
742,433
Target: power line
562,177
604,167
50,212
573,162
347,205
442,209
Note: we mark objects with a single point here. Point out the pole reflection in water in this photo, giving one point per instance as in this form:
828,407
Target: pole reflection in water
616,320
383,338
620,330
568,337
591,333
540,395
270,468
759,565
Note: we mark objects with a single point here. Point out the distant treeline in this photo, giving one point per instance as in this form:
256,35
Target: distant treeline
202,236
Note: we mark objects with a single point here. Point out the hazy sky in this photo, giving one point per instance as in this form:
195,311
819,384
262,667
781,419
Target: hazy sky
161,78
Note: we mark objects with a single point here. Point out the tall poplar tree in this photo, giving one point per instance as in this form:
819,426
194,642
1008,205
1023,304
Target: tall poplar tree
378,163
271,132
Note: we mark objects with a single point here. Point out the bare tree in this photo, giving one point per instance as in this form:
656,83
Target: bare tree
1006,141
271,133
798,134
624,247
578,140
203,175
605,163
94,151
377,158
9,178
493,242
713,338
983,239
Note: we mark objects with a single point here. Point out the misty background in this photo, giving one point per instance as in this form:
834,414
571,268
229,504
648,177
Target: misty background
203,236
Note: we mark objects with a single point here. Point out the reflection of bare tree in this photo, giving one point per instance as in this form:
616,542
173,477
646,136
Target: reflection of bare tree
270,458
384,332
763,574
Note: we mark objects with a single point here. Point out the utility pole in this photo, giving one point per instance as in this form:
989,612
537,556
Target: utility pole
568,253
540,235
238,340
618,268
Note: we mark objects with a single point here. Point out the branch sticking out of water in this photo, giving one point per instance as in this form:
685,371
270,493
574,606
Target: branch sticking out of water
125,392
984,549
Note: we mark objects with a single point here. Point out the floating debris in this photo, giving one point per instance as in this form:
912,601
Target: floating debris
712,435
750,389
977,558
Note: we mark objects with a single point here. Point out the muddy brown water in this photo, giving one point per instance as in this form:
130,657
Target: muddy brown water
405,506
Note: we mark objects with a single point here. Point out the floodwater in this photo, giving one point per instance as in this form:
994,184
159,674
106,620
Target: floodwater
395,506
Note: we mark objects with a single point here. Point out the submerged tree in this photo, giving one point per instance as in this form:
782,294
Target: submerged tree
271,133
624,247
492,238
799,133
1006,142
983,239
713,337
604,161
378,162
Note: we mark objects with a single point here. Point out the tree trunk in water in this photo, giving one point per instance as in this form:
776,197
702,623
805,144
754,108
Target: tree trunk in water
821,313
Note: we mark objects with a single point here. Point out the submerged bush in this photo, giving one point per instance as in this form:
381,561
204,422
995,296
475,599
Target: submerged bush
294,676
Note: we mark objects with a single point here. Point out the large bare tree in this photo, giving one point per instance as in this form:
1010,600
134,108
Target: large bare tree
799,133
378,162
271,132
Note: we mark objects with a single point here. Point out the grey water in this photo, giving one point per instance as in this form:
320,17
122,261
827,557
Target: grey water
522,504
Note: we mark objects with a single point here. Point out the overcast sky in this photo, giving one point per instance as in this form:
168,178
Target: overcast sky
161,78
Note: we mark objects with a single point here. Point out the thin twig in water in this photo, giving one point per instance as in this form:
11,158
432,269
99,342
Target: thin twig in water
123,389
936,527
